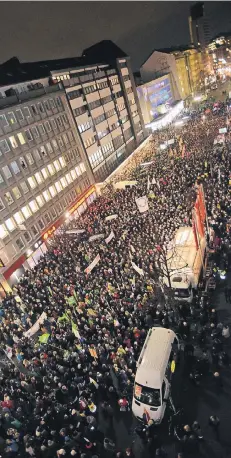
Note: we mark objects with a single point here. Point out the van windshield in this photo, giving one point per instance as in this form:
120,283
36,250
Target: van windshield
146,395
182,292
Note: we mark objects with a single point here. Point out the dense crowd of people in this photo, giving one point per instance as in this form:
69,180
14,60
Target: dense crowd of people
81,362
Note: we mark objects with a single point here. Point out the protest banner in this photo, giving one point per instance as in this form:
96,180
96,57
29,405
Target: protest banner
75,231
140,271
110,217
92,265
110,237
142,204
95,237
35,328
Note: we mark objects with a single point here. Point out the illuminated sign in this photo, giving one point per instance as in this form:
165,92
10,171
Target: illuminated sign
49,233
80,202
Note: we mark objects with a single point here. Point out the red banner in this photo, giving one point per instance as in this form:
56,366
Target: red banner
195,232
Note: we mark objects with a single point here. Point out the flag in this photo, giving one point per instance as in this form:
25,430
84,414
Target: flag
94,382
148,184
140,271
195,233
64,317
74,329
92,265
44,338
71,300
92,352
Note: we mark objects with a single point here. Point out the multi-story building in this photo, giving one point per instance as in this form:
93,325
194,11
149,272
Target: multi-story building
105,106
220,55
199,26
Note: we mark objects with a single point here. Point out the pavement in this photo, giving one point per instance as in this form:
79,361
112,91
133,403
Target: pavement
198,402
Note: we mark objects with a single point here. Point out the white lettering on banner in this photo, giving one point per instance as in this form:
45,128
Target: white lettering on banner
36,326
140,271
75,231
92,265
95,237
110,237
142,204
110,217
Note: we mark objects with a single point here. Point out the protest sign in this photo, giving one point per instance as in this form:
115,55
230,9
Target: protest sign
110,217
92,265
110,237
95,237
35,328
142,204
140,271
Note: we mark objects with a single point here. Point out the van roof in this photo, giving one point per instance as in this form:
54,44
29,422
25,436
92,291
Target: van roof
154,357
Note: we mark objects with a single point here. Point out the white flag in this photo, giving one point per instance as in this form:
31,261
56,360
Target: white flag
93,264
110,237
140,271
153,180
148,184
142,204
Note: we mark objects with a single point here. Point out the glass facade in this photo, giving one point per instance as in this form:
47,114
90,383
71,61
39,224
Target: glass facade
156,95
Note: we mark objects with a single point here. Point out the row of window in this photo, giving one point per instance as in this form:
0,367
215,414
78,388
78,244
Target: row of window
85,126
27,112
126,77
14,141
80,110
114,81
34,205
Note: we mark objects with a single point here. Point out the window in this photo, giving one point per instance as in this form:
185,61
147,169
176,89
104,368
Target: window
54,143
48,126
102,85
19,218
16,192
73,174
38,177
10,224
15,167
47,218
28,135
54,124
32,182
41,129
59,102
4,147
27,112
41,224
7,171
51,169
41,107
3,121
68,178
52,104
62,162
34,109
47,105
46,195
52,191
89,142
58,186
20,244
57,165
89,89
45,173
33,206
11,117
85,126
13,142
65,119
43,151
80,110
74,94
78,172
53,212
49,148
19,114
24,187
27,236
30,158
21,138
2,206
63,182
8,197
65,139
60,141
106,99
37,155
59,121
3,231
35,132
34,230
1,179
23,162
26,211
40,200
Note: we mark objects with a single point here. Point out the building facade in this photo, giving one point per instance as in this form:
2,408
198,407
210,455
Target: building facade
44,172
105,105
220,55
199,26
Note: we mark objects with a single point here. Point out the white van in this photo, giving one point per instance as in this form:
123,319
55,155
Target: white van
152,381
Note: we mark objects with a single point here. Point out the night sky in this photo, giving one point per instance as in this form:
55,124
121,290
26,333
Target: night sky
49,30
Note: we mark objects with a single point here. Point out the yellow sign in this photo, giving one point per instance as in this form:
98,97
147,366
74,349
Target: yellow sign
173,366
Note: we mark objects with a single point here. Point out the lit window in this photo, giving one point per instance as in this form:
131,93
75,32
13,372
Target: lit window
13,142
30,158
23,162
58,186
62,161
40,200
8,197
73,174
4,146
3,231
38,177
82,167
26,211
21,138
15,167
69,178
46,195
24,187
49,148
64,182
45,173
10,224
33,206
43,151
54,143
78,171
57,165
32,182
35,132
19,218
11,117
52,191
51,169
7,171
16,192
